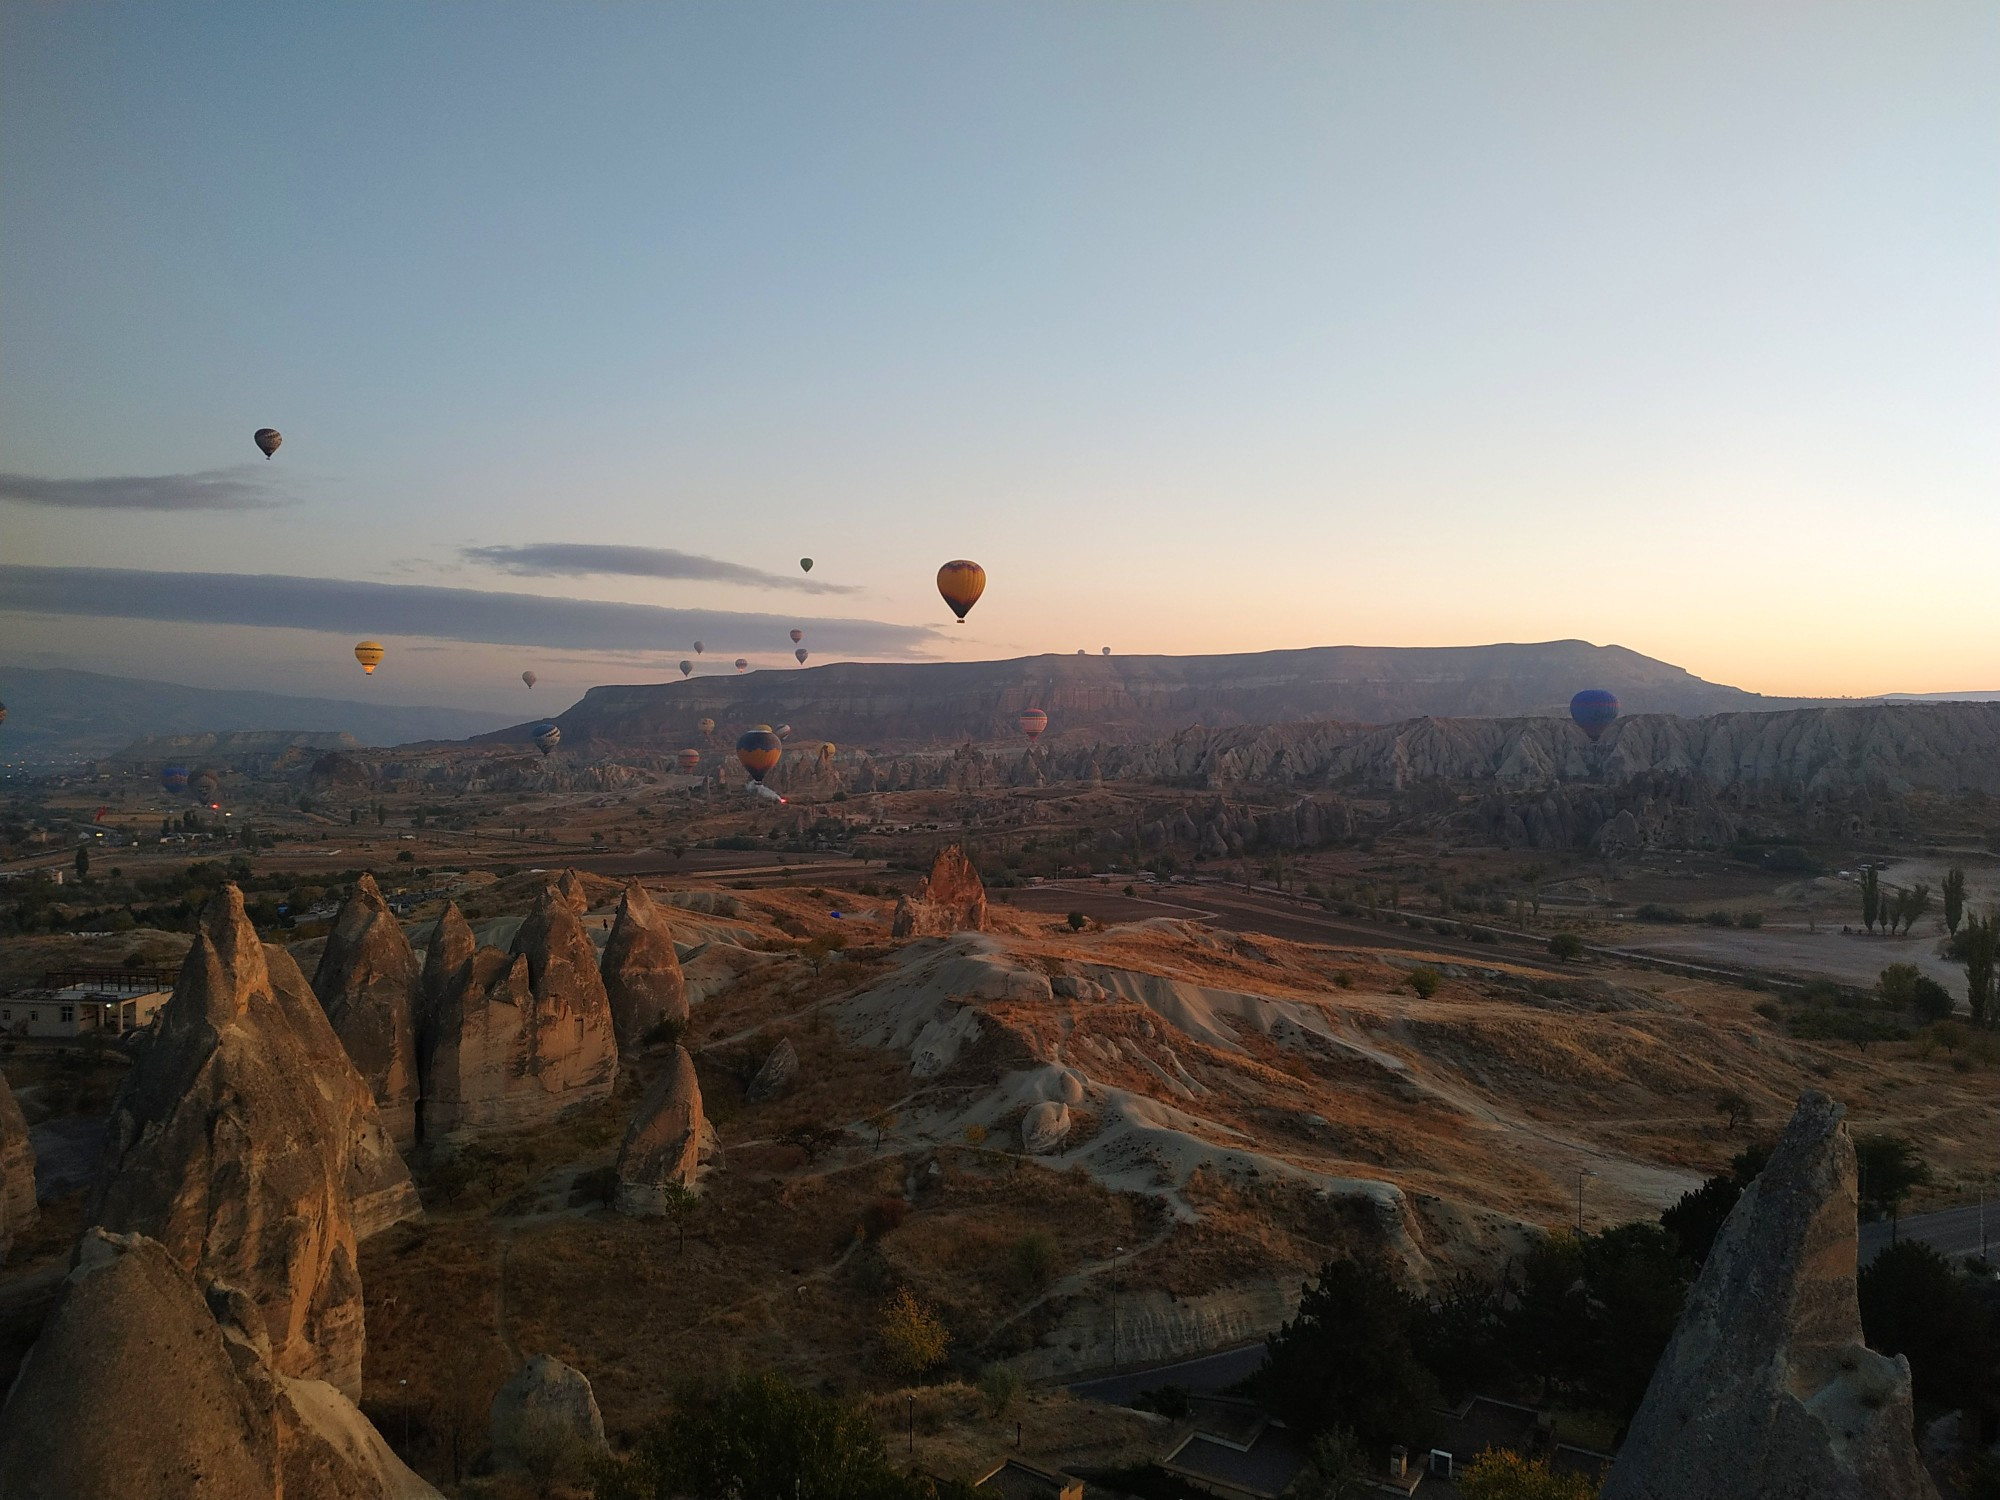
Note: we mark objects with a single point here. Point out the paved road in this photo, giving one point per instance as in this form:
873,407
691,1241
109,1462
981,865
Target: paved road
1202,1375
1950,1231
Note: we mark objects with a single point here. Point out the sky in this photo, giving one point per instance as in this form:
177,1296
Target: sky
1203,327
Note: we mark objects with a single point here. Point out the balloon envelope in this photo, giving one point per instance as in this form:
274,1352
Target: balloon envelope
1594,710
1107,650
547,737
707,726
741,663
529,678
369,654
801,654
689,761
797,636
699,648
961,583
758,749
174,778
784,731
268,440
686,667
1033,721
805,565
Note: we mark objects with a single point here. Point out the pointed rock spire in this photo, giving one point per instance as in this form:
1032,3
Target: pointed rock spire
17,1171
642,973
367,980
668,1141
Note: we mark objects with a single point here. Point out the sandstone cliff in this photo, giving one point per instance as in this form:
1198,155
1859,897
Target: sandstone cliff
668,1141
17,1171
368,982
1766,1388
952,898
642,973
244,1141
140,1389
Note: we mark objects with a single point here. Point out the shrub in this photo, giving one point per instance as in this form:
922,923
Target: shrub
1719,919
1770,1010
975,1135
1035,1260
1653,912
1344,980
884,1215
1750,919
1000,1387
912,1334
1897,984
1931,1000
1498,1474
1425,982
1077,921
406,857
1566,946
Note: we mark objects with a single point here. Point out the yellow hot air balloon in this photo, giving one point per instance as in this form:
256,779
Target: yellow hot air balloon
961,583
758,750
1033,721
267,440
369,654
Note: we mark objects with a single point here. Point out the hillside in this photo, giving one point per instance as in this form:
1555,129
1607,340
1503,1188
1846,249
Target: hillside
56,716
908,705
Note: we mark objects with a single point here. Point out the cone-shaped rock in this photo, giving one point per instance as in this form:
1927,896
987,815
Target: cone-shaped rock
951,899
574,891
776,1073
244,1141
521,1037
668,1140
1766,1388
140,1389
544,1398
450,946
17,1171
642,973
367,980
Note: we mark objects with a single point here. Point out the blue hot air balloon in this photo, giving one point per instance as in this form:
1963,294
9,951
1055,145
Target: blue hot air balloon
1594,710
174,778
546,737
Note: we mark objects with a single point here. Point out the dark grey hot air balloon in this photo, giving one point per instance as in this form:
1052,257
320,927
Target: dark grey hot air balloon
268,440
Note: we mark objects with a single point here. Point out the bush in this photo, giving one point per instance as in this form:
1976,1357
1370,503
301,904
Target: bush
1498,1474
1566,946
912,1334
1770,1010
406,857
1653,912
1897,984
1077,921
1719,919
1425,982
1344,980
1931,1000
1750,919
1035,1260
1000,1387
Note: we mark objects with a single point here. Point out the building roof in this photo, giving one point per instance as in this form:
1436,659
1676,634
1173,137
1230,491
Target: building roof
1014,1480
1266,1468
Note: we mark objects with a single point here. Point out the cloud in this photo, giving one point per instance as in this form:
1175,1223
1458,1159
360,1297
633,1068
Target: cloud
241,488
580,559
387,610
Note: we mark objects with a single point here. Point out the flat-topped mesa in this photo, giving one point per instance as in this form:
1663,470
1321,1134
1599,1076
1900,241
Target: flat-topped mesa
245,1142
368,981
951,899
142,1387
668,1142
519,1038
1766,1388
17,1171
642,973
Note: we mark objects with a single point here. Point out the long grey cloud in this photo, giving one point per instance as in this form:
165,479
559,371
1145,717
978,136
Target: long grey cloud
386,610
580,559
243,488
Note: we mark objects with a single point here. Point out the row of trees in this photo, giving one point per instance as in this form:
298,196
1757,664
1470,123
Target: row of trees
1971,938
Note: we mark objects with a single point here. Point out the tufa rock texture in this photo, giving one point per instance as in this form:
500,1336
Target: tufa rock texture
777,1073
1044,1127
1766,1388
140,1389
574,891
951,899
642,974
367,980
450,950
668,1141
244,1142
17,1171
518,1038
544,1401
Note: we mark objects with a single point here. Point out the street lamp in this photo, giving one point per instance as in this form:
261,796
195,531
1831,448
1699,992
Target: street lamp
1581,1173
1116,1251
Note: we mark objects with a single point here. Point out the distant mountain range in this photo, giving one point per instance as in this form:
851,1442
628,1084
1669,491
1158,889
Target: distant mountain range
56,716
901,705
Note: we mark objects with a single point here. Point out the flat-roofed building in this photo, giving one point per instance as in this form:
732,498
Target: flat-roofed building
76,1003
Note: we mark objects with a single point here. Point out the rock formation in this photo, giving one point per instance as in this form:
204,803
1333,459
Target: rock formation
776,1075
244,1141
140,1389
668,1140
544,1401
951,899
1044,1127
520,1037
368,982
642,974
17,1171
574,891
451,944
1766,1388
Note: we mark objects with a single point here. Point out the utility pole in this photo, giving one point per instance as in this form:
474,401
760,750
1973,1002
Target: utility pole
1581,1173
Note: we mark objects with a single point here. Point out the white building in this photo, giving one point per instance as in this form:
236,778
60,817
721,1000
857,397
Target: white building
68,1011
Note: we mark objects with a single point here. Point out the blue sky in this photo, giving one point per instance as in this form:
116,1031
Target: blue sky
1203,327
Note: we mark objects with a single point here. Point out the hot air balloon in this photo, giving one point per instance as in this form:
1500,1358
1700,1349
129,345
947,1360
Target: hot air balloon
689,761
1081,652
686,667
3,713
1033,721
206,784
797,636
707,726
1594,710
961,583
267,439
699,648
805,565
1107,650
801,654
783,731
369,654
529,678
174,778
547,737
742,662
758,749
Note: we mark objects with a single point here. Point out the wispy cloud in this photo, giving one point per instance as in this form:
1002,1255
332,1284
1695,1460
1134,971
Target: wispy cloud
386,610
241,488
582,559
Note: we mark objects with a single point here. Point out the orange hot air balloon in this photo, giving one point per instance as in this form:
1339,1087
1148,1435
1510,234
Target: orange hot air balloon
369,654
689,761
1033,721
267,440
801,654
686,667
758,749
706,726
797,636
961,583
742,662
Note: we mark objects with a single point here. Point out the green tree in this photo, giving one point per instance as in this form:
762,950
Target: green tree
82,863
1000,1387
1911,905
1897,985
1871,897
1078,921
913,1334
680,1204
1978,946
1954,898
1889,1170
1424,980
1593,1312
1348,1359
1915,1303
1566,946
1338,1468
1735,1108
1930,1000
